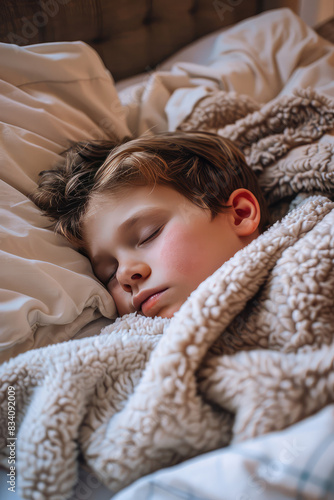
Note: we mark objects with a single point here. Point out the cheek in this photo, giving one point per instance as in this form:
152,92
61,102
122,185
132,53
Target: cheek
180,251
121,299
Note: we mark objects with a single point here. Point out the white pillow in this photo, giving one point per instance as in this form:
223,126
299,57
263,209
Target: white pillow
49,94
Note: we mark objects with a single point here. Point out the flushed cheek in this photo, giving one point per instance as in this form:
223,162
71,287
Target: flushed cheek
180,252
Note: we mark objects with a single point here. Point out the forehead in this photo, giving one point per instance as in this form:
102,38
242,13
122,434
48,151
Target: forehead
130,199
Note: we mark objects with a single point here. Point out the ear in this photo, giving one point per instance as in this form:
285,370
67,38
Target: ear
245,212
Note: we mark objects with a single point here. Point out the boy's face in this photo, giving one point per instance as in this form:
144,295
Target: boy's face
152,247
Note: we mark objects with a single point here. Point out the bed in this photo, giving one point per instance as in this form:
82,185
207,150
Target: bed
143,66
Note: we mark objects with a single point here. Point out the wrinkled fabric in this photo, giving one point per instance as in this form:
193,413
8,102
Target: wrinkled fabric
263,57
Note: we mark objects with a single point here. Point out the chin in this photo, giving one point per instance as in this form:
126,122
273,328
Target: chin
167,315
169,312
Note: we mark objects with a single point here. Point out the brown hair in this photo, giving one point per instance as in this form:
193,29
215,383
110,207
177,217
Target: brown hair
203,167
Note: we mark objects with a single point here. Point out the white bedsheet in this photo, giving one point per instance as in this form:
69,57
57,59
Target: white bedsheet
49,94
262,57
297,463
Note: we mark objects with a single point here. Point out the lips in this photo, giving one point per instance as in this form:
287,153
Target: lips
150,302
145,300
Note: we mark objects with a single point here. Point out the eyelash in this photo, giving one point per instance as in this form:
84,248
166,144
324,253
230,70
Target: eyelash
152,236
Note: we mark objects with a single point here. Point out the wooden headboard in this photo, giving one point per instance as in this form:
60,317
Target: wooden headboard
131,36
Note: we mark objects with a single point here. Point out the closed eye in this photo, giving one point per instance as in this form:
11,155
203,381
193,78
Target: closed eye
152,236
111,277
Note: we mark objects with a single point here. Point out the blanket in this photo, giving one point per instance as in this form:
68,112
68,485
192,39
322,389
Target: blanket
251,351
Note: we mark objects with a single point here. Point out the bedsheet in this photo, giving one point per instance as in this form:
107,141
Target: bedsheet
50,94
296,463
261,57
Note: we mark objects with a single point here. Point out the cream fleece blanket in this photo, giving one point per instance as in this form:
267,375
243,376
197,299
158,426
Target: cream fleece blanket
251,351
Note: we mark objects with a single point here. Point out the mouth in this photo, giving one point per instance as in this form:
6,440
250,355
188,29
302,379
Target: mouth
150,302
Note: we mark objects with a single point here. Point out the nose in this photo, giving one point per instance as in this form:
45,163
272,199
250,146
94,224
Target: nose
131,273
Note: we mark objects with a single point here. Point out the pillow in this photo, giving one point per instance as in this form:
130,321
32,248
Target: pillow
50,94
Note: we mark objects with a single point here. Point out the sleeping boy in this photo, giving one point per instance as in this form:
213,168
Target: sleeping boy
155,215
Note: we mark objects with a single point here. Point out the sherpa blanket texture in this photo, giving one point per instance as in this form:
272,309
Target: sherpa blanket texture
251,350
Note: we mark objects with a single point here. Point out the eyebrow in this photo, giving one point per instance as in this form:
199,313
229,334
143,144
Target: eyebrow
144,213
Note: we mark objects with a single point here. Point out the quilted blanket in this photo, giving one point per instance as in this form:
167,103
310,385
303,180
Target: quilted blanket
251,350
